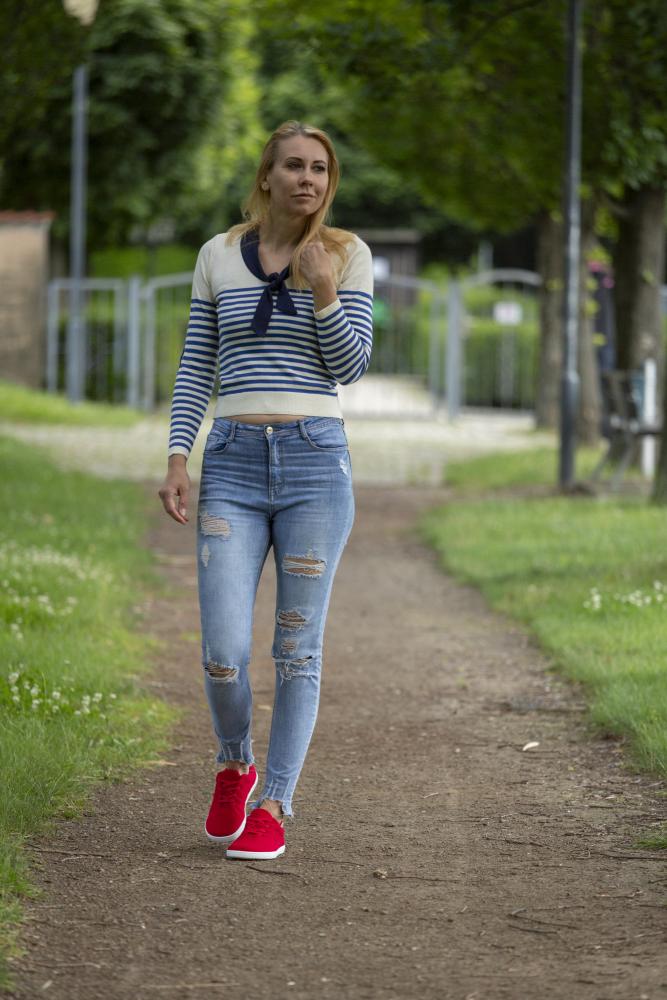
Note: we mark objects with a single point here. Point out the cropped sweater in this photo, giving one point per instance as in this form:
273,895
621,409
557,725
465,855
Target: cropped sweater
293,368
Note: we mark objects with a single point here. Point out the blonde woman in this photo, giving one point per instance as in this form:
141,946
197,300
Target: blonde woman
281,306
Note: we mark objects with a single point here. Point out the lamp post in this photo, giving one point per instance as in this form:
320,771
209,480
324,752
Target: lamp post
572,214
84,11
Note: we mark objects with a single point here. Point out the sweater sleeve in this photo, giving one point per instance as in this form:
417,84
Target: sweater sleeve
345,326
195,377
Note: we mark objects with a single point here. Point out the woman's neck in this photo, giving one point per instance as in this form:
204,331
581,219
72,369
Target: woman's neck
278,234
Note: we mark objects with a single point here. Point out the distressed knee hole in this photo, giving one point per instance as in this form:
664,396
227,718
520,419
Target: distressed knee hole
304,565
288,646
219,673
292,619
211,524
293,668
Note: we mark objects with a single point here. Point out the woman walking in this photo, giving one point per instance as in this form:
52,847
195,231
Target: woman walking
281,304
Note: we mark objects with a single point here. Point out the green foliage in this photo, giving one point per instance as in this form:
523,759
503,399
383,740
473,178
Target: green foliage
41,45
124,262
157,73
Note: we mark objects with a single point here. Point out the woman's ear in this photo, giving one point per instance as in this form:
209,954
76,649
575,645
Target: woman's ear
264,185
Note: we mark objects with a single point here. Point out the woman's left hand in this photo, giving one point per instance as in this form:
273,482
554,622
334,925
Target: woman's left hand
316,264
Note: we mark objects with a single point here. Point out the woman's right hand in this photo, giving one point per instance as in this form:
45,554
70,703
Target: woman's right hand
175,489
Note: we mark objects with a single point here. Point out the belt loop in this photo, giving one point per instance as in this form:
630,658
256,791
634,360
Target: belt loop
232,430
302,430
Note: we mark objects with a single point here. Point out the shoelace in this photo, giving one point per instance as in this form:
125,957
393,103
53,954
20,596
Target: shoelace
256,823
226,790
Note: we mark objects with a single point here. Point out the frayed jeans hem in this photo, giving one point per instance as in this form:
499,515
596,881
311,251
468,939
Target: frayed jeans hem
235,751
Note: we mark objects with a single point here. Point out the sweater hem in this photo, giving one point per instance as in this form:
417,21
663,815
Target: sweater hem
310,404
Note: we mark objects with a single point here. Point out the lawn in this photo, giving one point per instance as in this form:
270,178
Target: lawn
72,711
19,404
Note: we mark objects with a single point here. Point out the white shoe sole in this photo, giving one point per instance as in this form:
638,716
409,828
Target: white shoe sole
255,855
237,833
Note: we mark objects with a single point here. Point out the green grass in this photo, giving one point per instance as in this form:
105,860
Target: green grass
72,568
588,576
22,405
516,470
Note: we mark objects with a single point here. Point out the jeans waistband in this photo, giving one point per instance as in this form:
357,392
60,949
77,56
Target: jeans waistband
234,428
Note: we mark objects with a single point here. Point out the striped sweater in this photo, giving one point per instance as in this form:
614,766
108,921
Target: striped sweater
294,368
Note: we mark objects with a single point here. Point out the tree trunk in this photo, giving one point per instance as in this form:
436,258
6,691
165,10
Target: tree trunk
639,265
639,262
550,267
589,411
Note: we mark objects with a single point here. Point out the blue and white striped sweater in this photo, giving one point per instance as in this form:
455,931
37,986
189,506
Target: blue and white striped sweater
294,368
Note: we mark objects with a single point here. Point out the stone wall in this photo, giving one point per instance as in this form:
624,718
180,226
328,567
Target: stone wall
24,273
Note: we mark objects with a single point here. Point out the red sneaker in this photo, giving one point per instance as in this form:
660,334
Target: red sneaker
226,817
263,837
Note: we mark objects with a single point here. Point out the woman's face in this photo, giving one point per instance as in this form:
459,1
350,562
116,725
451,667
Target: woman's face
299,178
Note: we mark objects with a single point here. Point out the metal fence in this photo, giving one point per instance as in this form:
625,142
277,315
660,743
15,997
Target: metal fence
437,347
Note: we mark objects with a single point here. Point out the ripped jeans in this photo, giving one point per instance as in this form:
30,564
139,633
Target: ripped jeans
288,486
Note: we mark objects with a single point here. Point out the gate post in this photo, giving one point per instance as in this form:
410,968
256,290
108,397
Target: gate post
148,401
454,352
434,336
52,336
133,340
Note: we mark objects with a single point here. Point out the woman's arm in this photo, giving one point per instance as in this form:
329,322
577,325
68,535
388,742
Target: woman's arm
345,323
195,377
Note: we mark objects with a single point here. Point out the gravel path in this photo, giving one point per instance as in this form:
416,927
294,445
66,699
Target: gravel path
431,855
400,451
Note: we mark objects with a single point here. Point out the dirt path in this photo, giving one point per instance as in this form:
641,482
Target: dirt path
431,857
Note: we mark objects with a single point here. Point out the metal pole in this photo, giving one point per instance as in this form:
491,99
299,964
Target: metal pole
572,214
453,374
76,346
52,336
133,341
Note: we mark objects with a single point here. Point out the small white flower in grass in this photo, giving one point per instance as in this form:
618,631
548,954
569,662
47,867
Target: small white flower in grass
112,695
594,602
16,698
26,685
77,712
34,690
97,696
56,695
13,677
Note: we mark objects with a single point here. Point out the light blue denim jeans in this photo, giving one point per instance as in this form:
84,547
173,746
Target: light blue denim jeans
286,485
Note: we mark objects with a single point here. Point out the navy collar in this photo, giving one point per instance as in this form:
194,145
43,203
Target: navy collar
275,283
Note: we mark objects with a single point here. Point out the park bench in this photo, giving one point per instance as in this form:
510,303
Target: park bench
623,425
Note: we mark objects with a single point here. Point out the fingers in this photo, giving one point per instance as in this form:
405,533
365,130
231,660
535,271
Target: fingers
174,502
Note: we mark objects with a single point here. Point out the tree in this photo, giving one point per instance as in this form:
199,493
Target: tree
157,73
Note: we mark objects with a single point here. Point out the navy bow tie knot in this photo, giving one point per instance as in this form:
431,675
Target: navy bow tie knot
275,285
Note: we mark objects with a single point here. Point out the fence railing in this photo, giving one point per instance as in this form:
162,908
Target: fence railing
437,347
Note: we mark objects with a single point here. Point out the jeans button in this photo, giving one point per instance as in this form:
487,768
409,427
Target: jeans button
269,430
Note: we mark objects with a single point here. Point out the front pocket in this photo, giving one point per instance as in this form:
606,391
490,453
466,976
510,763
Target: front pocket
326,435
217,442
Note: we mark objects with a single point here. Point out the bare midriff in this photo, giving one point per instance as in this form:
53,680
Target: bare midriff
266,418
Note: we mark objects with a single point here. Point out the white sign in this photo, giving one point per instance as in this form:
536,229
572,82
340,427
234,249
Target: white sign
507,313
381,269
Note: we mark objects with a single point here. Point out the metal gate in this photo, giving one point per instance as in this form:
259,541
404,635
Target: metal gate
437,347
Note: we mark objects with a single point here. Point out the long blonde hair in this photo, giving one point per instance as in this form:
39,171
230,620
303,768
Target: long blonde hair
256,206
